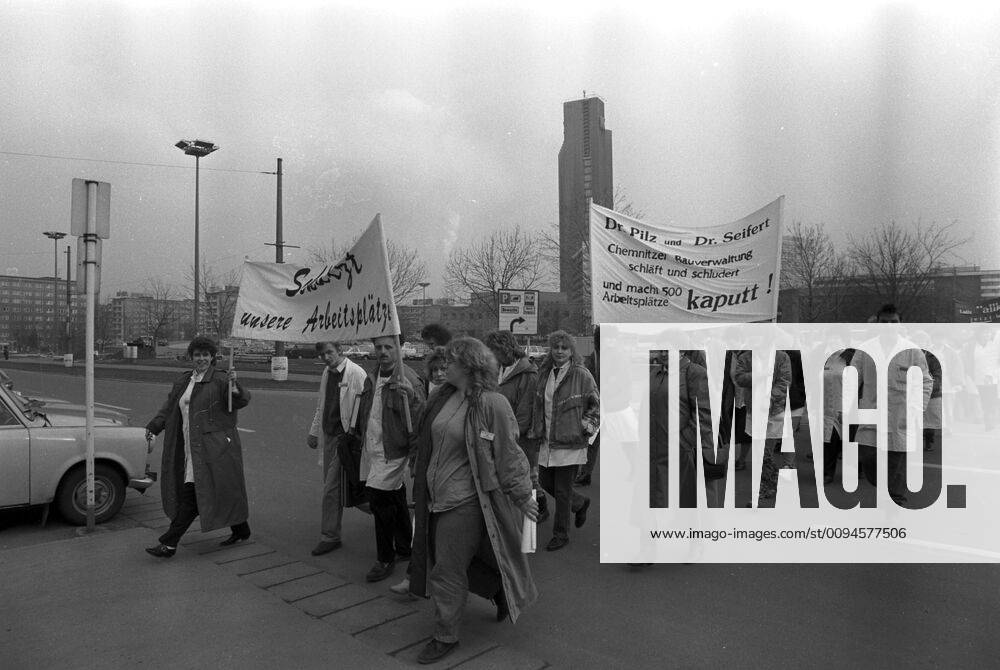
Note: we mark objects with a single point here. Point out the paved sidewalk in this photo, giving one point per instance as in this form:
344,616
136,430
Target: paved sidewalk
100,601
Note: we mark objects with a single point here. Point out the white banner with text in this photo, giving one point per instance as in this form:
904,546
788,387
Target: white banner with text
644,272
349,300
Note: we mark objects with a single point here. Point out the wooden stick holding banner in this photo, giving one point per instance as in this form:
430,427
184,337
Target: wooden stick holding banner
230,380
399,378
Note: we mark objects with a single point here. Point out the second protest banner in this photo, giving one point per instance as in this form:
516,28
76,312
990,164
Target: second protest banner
643,272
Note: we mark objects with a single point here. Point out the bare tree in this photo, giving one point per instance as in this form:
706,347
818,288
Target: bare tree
506,259
811,266
406,269
159,309
898,263
220,289
549,248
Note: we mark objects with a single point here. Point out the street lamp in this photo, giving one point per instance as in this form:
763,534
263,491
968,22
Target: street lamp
423,285
55,237
198,149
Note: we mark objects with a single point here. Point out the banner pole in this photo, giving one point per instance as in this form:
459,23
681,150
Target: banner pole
399,378
230,381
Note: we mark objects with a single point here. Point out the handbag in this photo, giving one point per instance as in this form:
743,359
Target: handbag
716,470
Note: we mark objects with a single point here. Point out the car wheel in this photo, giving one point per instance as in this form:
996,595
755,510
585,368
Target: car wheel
109,494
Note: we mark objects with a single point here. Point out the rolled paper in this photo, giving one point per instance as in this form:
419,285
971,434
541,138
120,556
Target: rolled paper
528,533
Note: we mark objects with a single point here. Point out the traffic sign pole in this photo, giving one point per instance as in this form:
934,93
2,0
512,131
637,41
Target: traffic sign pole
90,239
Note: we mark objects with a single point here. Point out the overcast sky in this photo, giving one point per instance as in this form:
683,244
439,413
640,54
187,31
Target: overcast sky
449,121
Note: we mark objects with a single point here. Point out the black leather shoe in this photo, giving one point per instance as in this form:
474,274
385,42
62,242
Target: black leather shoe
556,543
500,600
161,551
435,651
326,546
234,538
581,514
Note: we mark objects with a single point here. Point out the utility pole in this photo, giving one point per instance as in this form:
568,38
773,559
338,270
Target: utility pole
279,244
69,306
279,248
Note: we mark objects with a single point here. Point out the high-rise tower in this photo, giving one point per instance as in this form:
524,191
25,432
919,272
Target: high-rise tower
584,172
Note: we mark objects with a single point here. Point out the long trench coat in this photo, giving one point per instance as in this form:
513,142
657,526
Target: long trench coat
500,473
216,453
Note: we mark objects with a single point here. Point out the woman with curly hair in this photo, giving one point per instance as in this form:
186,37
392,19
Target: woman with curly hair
471,492
565,419
202,473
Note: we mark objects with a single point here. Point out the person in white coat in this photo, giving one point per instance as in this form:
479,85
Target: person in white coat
340,387
896,369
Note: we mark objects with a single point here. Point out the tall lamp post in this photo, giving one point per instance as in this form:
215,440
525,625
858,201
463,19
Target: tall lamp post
198,149
55,237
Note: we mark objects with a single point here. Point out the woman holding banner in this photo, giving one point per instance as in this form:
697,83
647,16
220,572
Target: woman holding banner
471,490
202,473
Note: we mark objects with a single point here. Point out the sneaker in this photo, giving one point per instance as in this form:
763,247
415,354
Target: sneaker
380,571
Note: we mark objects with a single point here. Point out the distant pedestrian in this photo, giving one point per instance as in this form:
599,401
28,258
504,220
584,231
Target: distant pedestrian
387,442
565,417
340,387
866,437
472,491
435,335
202,469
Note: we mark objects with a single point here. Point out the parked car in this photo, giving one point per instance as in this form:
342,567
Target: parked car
536,354
43,451
409,351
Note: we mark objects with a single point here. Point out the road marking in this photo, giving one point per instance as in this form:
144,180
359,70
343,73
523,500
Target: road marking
247,430
120,409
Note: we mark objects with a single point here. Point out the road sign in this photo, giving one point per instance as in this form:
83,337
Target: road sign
518,311
78,209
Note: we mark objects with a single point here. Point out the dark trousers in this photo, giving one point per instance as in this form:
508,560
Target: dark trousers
463,562
587,469
896,475
187,512
393,533
558,482
831,453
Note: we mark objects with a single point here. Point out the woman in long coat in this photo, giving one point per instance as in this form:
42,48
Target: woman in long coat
202,471
471,492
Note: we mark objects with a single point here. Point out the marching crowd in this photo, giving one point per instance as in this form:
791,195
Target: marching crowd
483,434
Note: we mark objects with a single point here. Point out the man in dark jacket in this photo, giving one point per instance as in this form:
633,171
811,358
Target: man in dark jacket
387,433
518,376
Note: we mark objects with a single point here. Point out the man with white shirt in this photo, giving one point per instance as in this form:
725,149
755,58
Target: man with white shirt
386,445
867,435
336,412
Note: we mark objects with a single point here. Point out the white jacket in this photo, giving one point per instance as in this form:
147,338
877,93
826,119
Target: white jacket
351,387
895,380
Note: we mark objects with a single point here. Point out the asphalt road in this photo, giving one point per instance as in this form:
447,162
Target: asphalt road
611,616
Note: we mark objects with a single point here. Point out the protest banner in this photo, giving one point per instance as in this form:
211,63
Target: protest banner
643,272
348,300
